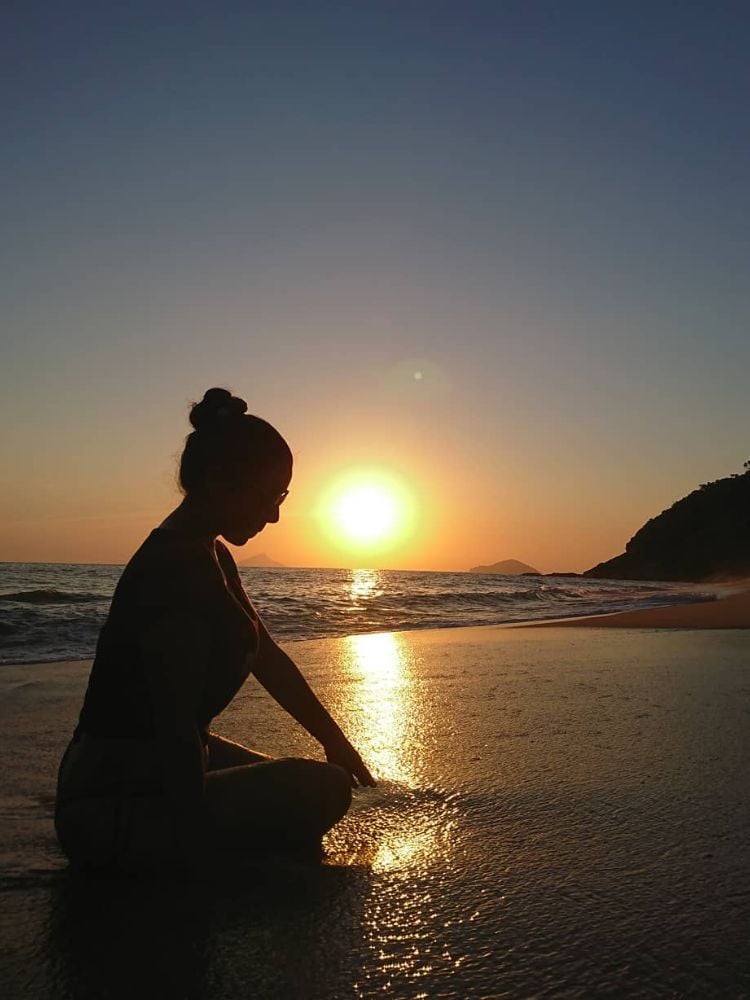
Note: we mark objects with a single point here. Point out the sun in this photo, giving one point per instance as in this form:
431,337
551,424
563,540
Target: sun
367,511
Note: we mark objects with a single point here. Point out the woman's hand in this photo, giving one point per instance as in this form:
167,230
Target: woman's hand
340,751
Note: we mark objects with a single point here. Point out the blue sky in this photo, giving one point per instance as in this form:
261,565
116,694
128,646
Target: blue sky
543,206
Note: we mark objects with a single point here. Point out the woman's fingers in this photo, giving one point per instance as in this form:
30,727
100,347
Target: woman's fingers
359,770
348,758
363,774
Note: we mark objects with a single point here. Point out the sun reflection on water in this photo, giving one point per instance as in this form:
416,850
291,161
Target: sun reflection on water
396,826
382,694
405,848
407,823
403,831
364,583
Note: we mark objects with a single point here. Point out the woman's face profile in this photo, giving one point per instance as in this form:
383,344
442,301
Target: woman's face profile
247,508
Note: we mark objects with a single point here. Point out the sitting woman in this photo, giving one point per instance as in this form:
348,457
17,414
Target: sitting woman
144,786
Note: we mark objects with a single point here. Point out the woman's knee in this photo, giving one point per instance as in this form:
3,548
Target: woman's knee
339,791
288,794
331,787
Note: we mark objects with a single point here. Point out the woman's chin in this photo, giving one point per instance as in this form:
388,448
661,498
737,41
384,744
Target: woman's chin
237,538
240,536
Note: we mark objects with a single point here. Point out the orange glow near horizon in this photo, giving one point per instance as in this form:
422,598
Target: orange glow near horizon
444,507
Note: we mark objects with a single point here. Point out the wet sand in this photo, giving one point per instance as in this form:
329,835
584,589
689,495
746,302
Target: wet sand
561,812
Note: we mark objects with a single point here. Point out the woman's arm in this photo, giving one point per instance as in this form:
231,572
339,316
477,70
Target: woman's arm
281,677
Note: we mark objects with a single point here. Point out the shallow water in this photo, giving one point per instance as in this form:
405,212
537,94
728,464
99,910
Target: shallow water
559,813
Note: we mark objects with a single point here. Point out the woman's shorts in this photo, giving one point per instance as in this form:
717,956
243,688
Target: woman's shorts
110,815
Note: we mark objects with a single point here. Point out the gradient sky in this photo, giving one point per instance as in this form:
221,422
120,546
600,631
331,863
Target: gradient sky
540,206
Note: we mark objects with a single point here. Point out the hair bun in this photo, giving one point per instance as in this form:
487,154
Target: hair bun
216,407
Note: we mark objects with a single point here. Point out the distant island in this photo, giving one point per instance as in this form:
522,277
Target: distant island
261,560
704,536
507,567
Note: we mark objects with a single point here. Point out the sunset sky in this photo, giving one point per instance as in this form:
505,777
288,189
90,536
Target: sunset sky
494,252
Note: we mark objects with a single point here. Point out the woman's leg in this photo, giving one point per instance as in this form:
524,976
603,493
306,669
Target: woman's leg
296,799
260,802
286,802
224,753
126,834
110,813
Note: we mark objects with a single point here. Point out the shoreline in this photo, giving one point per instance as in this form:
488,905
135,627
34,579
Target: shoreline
729,612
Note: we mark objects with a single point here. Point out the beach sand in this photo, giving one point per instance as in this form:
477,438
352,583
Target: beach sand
561,812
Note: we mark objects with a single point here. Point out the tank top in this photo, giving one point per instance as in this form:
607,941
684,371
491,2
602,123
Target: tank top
169,574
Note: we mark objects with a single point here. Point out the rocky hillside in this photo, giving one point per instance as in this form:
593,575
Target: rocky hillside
704,536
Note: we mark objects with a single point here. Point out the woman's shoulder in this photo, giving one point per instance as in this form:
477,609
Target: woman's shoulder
172,568
166,548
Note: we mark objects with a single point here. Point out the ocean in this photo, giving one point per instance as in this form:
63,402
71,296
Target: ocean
52,611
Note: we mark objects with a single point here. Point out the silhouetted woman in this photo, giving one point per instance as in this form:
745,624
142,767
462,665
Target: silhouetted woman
144,785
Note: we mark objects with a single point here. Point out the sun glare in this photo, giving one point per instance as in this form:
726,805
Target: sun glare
367,511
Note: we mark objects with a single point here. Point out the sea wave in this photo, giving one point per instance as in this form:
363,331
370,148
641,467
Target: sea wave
50,596
55,612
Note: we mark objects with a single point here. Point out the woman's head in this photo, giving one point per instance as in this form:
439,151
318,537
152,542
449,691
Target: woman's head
236,464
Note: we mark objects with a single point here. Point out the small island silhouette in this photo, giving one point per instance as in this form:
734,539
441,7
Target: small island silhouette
261,560
507,567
